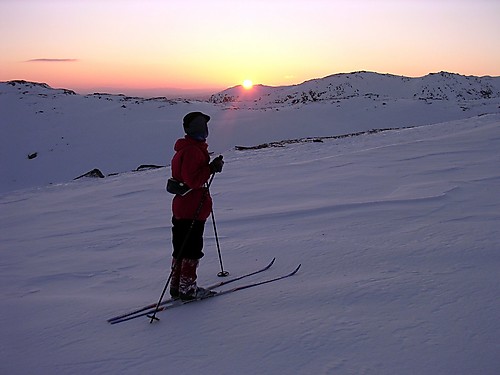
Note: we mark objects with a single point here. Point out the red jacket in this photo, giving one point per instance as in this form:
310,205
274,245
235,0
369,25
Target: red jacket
190,165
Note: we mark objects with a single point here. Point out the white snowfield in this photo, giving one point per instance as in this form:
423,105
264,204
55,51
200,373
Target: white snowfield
398,234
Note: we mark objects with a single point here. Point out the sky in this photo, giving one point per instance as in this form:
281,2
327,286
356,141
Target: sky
154,47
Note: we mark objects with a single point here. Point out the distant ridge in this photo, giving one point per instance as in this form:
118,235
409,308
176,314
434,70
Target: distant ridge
43,89
434,86
22,84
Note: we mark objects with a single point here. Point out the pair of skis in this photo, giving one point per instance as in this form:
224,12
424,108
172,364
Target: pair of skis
171,303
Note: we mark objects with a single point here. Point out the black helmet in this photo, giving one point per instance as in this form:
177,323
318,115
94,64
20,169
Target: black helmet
195,125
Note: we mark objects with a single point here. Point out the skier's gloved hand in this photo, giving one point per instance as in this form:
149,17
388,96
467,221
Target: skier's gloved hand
216,164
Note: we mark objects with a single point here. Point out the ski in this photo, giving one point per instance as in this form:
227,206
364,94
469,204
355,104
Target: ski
178,303
171,300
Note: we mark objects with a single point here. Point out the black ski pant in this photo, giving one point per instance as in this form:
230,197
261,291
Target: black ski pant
193,248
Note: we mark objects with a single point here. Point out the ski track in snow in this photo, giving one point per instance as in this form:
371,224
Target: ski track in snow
397,233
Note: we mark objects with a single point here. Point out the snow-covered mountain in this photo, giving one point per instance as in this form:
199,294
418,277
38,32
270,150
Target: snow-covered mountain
435,86
41,127
397,232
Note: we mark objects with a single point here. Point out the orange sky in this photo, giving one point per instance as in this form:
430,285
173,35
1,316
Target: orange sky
127,45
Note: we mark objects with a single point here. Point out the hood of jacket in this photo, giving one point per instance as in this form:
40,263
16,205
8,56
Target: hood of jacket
187,141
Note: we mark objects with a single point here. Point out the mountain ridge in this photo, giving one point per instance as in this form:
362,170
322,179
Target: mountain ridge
434,86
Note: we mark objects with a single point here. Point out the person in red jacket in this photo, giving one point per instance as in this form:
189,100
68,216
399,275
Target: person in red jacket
191,165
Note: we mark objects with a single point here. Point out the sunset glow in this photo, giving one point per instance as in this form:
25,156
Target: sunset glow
199,45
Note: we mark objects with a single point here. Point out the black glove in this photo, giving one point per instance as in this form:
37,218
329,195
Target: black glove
216,165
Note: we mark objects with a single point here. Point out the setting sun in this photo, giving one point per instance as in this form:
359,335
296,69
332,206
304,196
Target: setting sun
247,84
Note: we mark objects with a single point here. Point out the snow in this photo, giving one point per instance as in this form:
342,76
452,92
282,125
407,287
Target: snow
397,233
116,133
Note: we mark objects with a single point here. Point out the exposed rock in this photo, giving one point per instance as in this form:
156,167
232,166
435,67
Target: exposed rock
144,167
314,140
94,173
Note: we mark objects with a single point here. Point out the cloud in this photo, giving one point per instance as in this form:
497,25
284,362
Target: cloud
52,60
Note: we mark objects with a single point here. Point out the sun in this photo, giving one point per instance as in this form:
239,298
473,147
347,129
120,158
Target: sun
247,84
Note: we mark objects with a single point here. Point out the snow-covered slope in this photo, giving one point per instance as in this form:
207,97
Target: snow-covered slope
397,233
54,135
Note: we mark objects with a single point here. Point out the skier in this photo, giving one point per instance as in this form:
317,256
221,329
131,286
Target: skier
191,165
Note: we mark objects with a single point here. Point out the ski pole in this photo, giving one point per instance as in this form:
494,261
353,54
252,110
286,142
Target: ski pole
198,210
222,273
